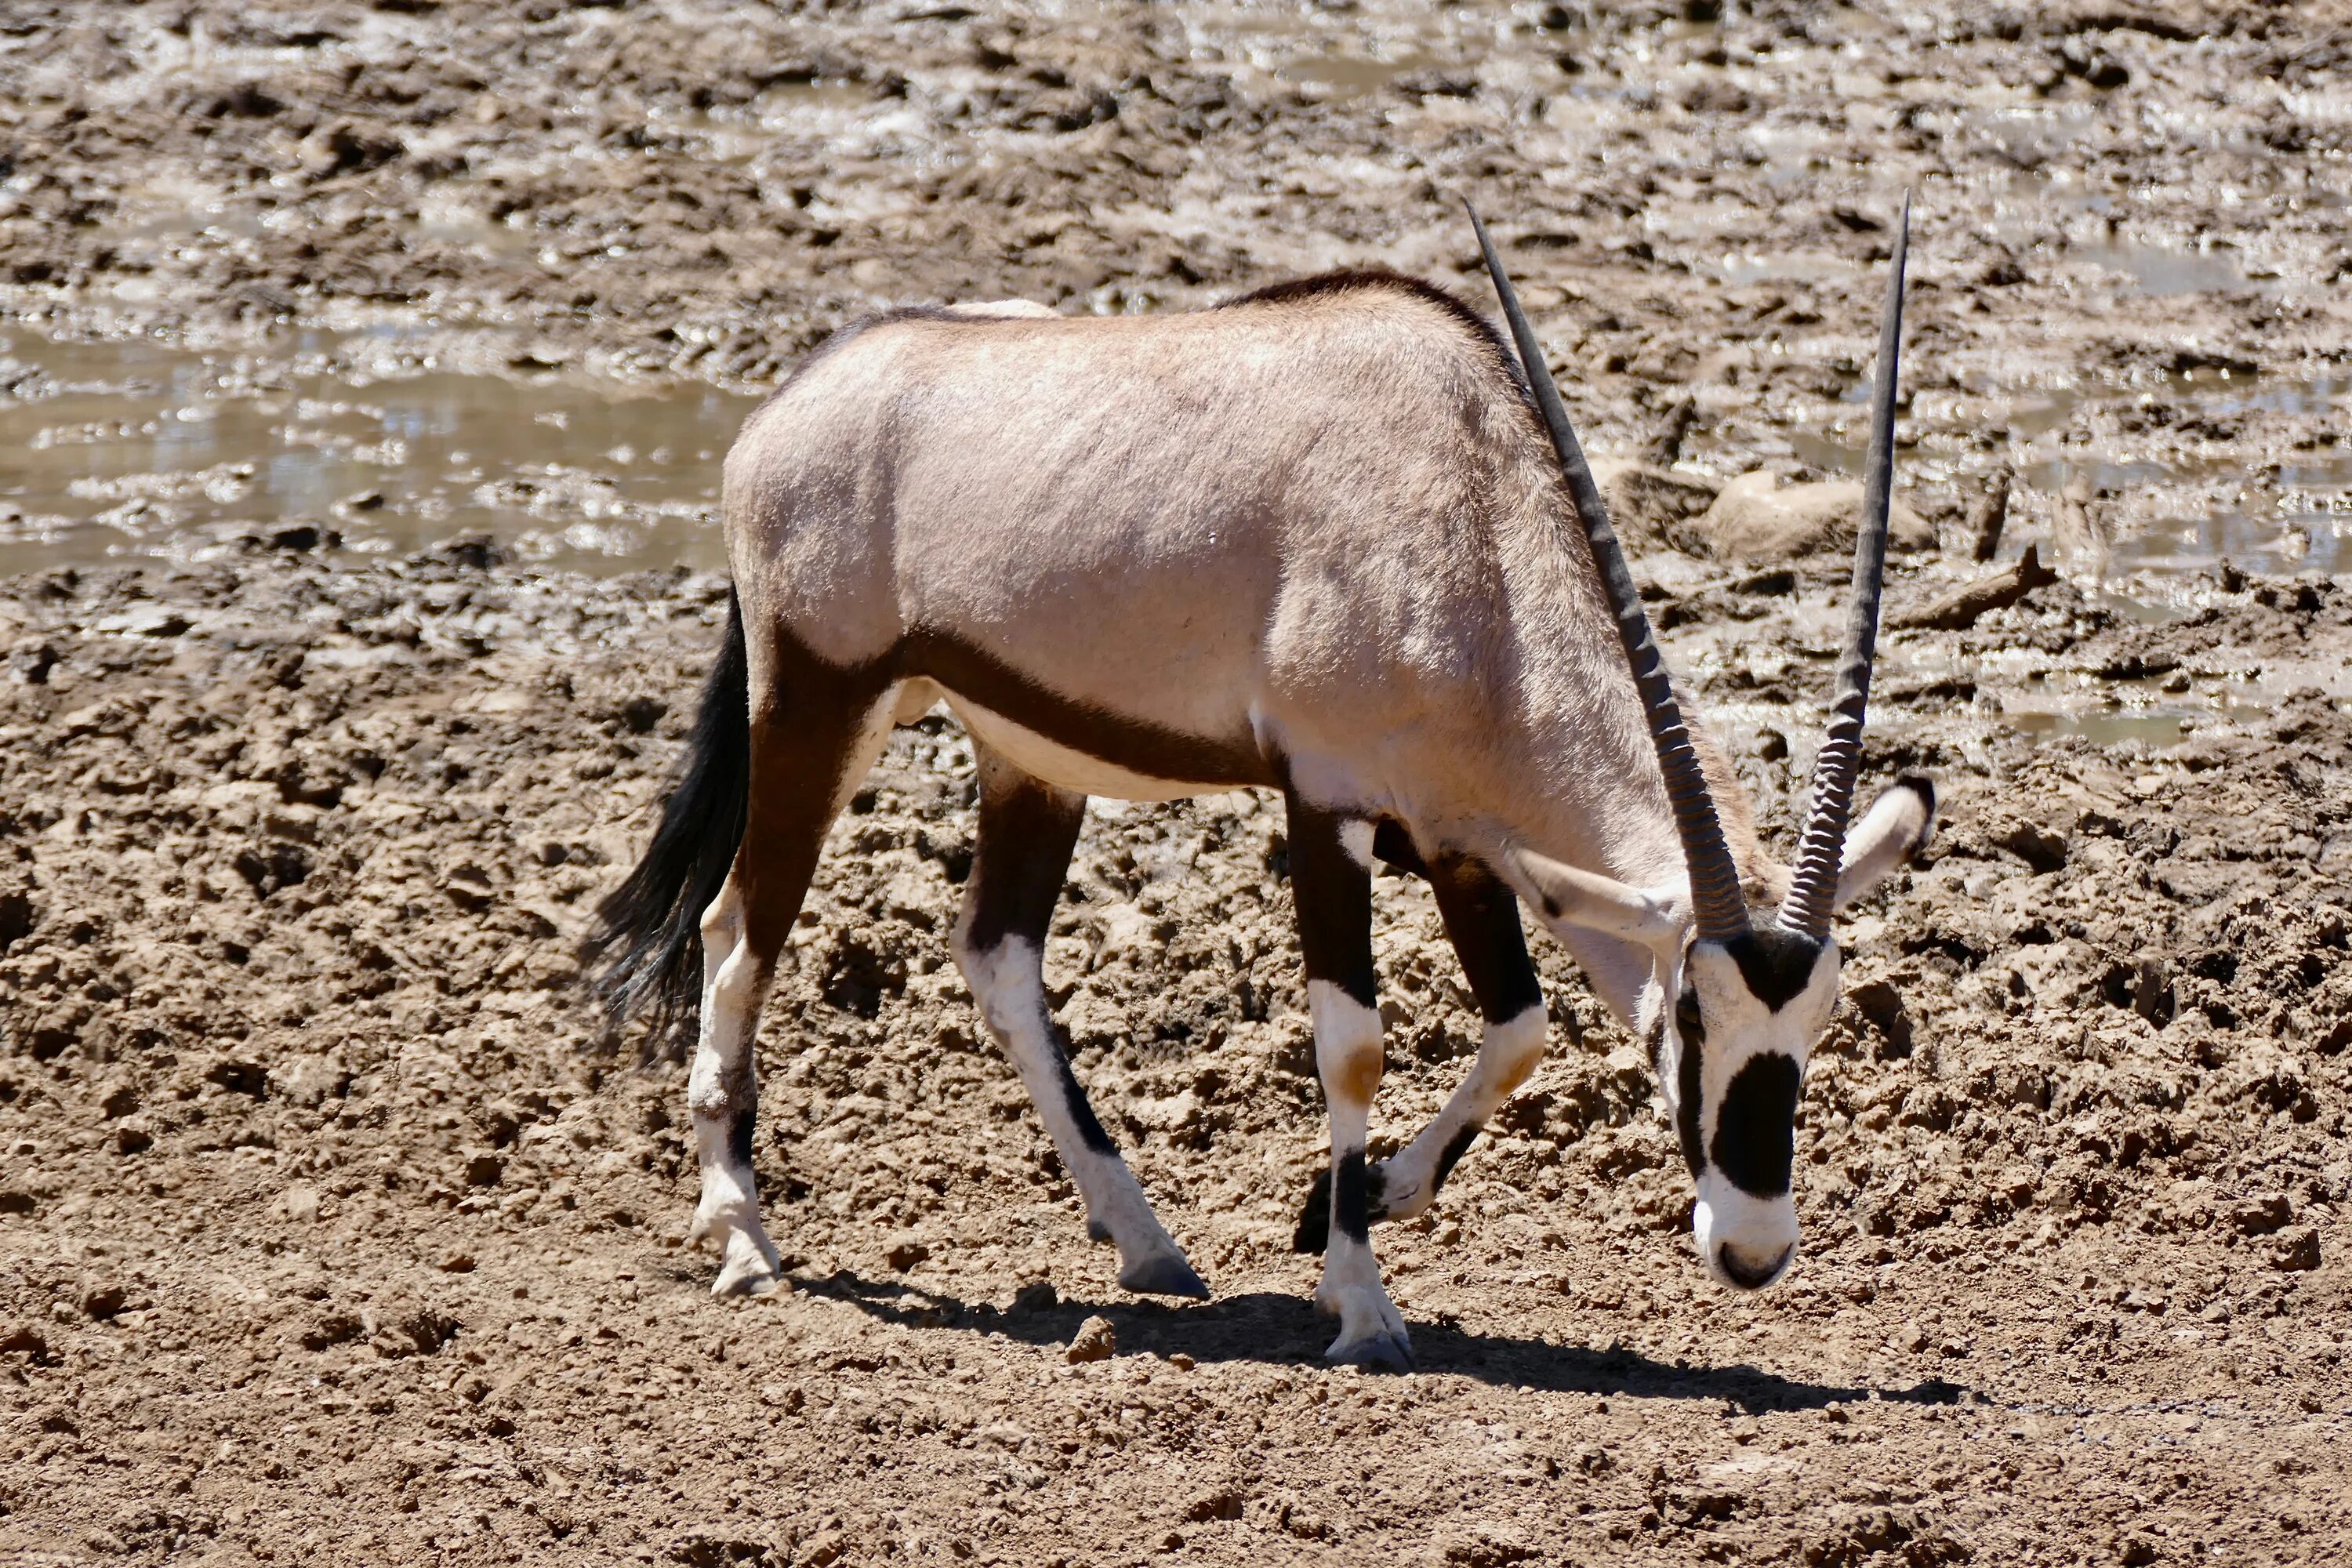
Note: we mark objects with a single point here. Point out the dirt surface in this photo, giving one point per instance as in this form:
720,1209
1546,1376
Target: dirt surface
334,1226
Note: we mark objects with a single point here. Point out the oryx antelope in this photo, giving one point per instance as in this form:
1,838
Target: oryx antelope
1313,540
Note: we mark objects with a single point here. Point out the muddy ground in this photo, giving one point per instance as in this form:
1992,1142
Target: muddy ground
335,1226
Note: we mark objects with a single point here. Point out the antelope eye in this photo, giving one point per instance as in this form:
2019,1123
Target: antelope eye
1687,1021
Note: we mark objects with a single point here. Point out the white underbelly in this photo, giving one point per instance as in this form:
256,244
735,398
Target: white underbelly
1059,766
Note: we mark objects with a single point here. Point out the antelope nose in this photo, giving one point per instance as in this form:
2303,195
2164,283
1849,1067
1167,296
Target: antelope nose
1752,1270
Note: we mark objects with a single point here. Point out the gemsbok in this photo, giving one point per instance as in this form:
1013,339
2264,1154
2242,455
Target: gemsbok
1313,539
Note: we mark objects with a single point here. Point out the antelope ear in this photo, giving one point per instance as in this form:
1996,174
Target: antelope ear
1563,894
1895,829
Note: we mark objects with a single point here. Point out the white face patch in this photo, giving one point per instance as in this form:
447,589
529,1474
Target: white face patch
1737,1064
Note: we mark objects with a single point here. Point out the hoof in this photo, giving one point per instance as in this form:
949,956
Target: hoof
1166,1275
750,1268
750,1277
1097,1232
1373,1352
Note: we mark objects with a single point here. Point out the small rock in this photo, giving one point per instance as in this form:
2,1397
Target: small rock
2042,848
1096,1340
2265,1213
23,1339
103,1301
249,1079
1037,1296
903,1252
457,1263
1756,517
2296,1250
1182,1362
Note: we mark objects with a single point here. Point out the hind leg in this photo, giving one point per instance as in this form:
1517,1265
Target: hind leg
1027,829
803,771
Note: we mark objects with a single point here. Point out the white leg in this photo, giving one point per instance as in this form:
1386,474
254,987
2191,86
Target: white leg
1408,1183
1007,981
1348,1056
722,1095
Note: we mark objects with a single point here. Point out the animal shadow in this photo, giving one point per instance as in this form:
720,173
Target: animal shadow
1284,1330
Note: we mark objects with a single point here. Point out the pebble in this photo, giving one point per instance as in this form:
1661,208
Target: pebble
1095,1340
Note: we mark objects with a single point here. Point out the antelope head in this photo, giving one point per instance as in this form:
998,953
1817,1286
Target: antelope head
1738,995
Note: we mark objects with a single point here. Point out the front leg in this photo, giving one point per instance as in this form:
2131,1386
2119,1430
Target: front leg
1333,891
1482,918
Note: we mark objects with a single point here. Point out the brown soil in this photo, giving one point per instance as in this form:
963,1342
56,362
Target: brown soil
333,1226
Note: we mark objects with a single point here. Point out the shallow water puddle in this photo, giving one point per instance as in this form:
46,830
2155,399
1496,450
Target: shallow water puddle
2188,513
125,449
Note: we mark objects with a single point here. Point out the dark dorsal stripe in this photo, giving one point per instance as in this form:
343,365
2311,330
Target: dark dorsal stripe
1756,1126
1379,279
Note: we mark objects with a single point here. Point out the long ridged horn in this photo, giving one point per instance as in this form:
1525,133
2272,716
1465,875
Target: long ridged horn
1720,909
1812,887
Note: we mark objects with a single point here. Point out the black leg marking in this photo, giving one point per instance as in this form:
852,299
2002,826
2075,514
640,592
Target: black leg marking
1348,1209
1482,920
1027,829
1089,1129
1334,899
1026,834
1393,844
1451,1156
739,1135
1313,1230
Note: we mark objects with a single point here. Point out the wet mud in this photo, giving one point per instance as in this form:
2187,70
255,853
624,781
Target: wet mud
334,1223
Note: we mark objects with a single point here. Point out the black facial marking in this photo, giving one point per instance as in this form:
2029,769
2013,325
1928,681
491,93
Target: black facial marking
1349,1208
1687,1082
739,1135
1775,963
1756,1128
1451,1156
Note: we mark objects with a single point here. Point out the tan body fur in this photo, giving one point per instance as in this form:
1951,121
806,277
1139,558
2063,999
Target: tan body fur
1323,533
